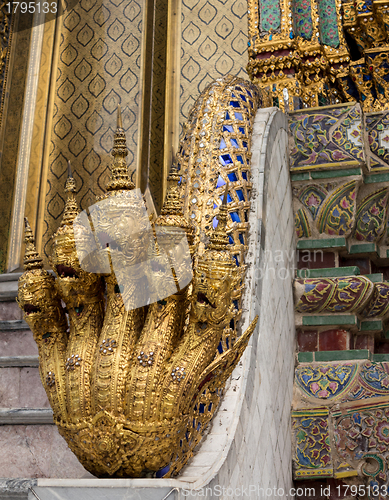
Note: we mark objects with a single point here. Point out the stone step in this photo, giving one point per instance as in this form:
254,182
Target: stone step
26,416
13,324
17,343
10,311
35,450
9,286
21,387
19,361
15,489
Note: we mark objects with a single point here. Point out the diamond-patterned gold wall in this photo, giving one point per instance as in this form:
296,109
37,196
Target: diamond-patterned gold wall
213,44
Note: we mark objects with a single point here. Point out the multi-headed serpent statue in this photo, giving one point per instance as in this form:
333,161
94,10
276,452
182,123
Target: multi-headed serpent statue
133,384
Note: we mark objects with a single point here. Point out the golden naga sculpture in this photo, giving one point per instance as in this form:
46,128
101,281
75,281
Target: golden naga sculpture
133,368
308,53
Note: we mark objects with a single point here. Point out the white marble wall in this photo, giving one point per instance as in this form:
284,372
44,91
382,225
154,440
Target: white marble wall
247,453
260,452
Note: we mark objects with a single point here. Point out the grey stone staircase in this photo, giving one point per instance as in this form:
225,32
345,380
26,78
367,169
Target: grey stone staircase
30,444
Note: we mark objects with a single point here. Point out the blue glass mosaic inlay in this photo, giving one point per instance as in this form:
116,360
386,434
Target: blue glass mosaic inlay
225,159
163,471
240,194
220,182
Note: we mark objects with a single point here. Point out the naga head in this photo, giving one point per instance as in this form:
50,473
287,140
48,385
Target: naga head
37,296
119,221
72,278
122,227
215,275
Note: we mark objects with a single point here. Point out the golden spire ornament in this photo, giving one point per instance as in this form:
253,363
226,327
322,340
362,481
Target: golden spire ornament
219,237
119,171
32,260
63,238
172,214
172,204
71,208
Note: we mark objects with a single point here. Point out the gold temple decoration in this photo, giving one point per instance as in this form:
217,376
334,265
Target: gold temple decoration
119,177
133,389
306,53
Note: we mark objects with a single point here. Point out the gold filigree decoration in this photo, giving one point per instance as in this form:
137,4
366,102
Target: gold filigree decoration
308,61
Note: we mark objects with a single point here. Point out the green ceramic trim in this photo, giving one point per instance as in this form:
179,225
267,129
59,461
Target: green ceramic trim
380,357
372,178
324,243
305,357
363,248
328,272
370,325
332,320
326,174
342,355
300,177
375,278
347,355
310,411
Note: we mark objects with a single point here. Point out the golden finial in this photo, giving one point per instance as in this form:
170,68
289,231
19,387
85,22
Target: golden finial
71,208
119,171
219,237
172,204
31,256
172,214
119,118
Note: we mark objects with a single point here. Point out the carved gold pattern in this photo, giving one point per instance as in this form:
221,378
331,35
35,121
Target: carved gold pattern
314,66
132,391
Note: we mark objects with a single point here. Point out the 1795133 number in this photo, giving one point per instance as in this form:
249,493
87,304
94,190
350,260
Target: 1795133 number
362,490
32,7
